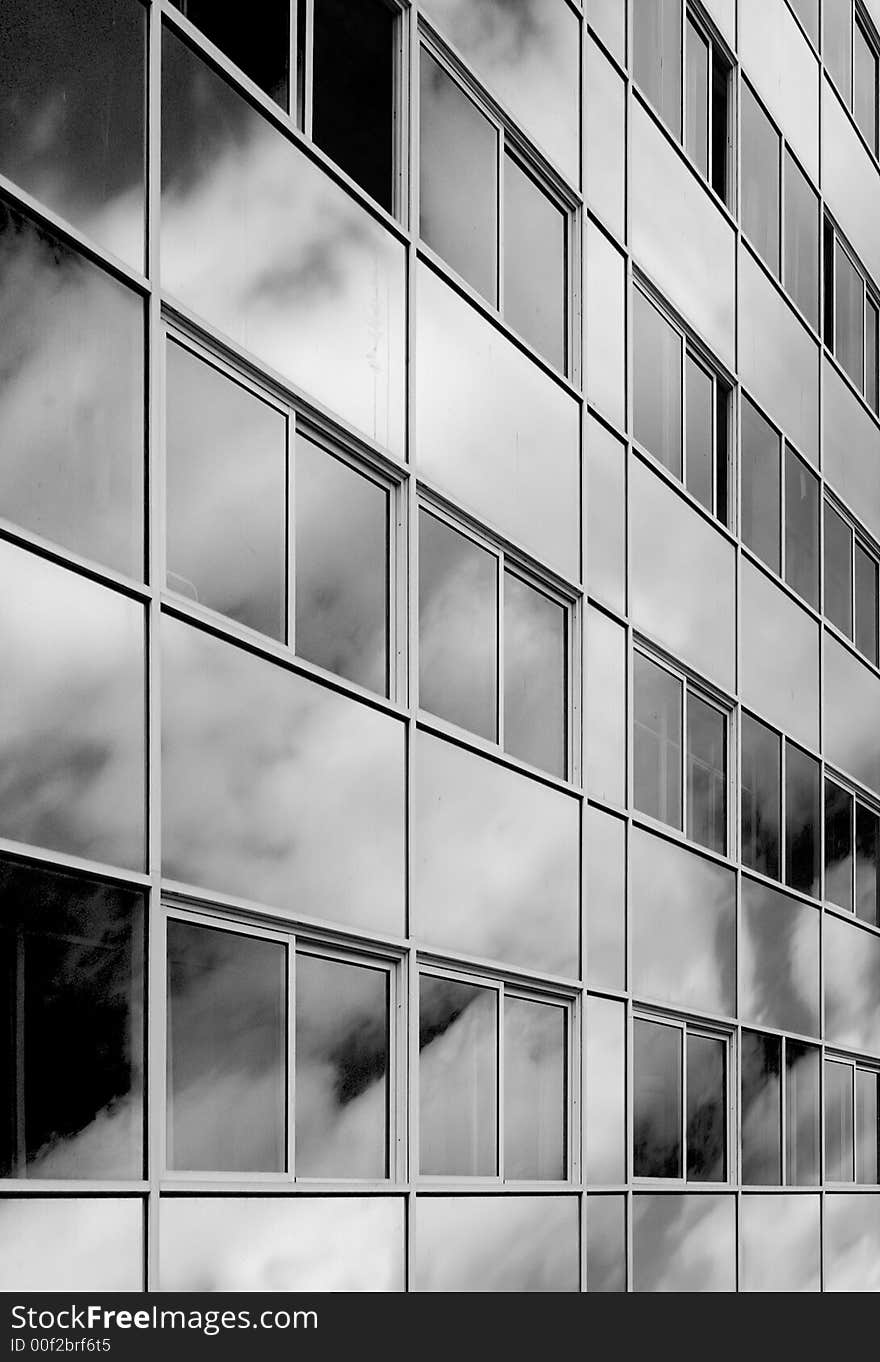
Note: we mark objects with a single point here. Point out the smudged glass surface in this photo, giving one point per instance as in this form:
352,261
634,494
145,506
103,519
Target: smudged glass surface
73,443
657,1098
684,1242
867,865
838,571
71,987
276,788
657,384
72,715
605,1116
802,821
226,489
852,1242
867,1126
605,326
263,244
849,322
341,1095
683,926
657,44
801,240
761,482
808,13
496,1243
761,797
535,283
261,50
281,1244
778,960
802,1063
779,1243
605,96
851,715
657,741
535,676
535,1090
865,633
706,766
850,447
761,1074
839,1122
706,1109
341,583
606,515
838,846
72,114
458,1093
606,708
760,180
496,861
801,528
852,985
606,914
779,656
71,1244
493,430
606,1243
458,178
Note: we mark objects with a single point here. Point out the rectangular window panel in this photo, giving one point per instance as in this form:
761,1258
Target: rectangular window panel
458,1061
606,515
605,874
697,98
262,49
778,960
706,774
865,603
802,821
867,1127
838,1122
761,1070
801,528
657,1100
72,1244
761,797
867,865
837,44
801,240
838,571
535,280
801,1114
865,86
606,708
605,1116
535,1096
700,433
657,384
849,319
606,1243
227,1047
706,1114
657,737
761,485
838,846
872,352
721,141
535,652
496,1243
342,1083
760,145
657,41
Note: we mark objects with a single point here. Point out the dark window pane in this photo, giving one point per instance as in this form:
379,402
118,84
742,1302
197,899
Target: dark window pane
720,124
657,1098
700,431
801,528
867,1127
657,362
261,46
72,105
71,1044
761,788
458,628
838,571
838,1122
838,846
697,99
865,603
801,240
657,56
801,1114
458,179
458,1056
759,141
341,1093
849,322
657,741
872,352
534,264
837,36
865,86
341,581
535,1100
802,819
227,1010
706,1109
761,477
73,439
706,774
226,490
761,1067
867,865
534,676
353,90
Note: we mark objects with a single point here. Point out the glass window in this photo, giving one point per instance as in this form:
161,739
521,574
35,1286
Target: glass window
852,1241
697,98
706,758
72,1244
761,1071
802,1064
761,796
535,649
801,240
606,1243
657,741
864,95
849,322
700,433
605,300
761,479
851,969
801,528
605,96
227,1045
802,820
865,603
458,1097
838,570
657,39
867,865
606,1081
706,1114
604,871
867,1127
808,13
838,1122
760,180
535,1100
606,515
657,1100
780,1242
657,384
837,44
496,1243
605,737
838,846
534,264
872,351
261,49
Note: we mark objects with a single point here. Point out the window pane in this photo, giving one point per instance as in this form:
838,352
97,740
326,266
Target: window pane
534,264
759,143
838,846
761,495
867,865
706,774
778,960
872,350
801,240
801,528
657,1099
458,1100
458,628
838,1122
802,819
801,1114
606,708
684,1242
657,364
534,676
761,1068
700,391
838,571
657,59
341,1093
496,1243
706,1109
226,488
72,1244
227,1022
867,1128
849,324
761,789
697,99
780,1242
71,1045
721,138
535,1099
606,1243
657,741
865,86
458,179
341,582
837,37
605,1117
261,49
353,90
866,603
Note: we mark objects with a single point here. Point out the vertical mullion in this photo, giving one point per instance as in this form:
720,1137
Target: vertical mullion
684,1101
783,1106
499,645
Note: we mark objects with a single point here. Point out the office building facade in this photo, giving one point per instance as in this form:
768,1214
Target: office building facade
440,703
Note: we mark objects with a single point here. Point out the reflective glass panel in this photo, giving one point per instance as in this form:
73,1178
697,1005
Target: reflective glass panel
606,708
852,1241
802,821
872,353
684,1242
851,975
606,915
700,434
838,571
605,1116
458,1060
535,282
227,1045
606,515
535,674
71,1244
801,528
867,865
606,1243
657,1100
706,759
779,656
837,35
341,584
535,1096
657,383
867,1127
778,960
706,1108
697,98
801,240
802,1064
849,323
761,1071
73,442
761,809
838,846
865,86
808,13
761,485
780,1243
657,722
852,714
838,1122
759,143
657,42
71,1046
605,326
865,602
261,49
605,96
496,1243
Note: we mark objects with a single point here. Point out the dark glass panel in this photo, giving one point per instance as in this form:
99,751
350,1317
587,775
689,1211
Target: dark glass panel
535,1097
458,179
761,796
496,1243
226,492
535,657
606,1243
606,515
341,1093
657,720
534,264
838,1122
721,144
605,99
865,603
657,1099
808,13
605,736
801,240
837,37
761,1070
761,479
802,1064
852,1240
605,325
657,42
851,977
71,1044
838,571
458,1099
73,442
657,397
341,583
801,528
261,47
696,97
706,1114
706,774
867,1126
72,114
71,1244
867,865
864,104
604,870
700,431
802,821
838,846
458,628
849,321
759,142
227,1046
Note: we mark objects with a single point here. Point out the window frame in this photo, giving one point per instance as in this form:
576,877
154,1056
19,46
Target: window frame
855,1066
832,241
858,18
858,801
859,541
784,742
784,1041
